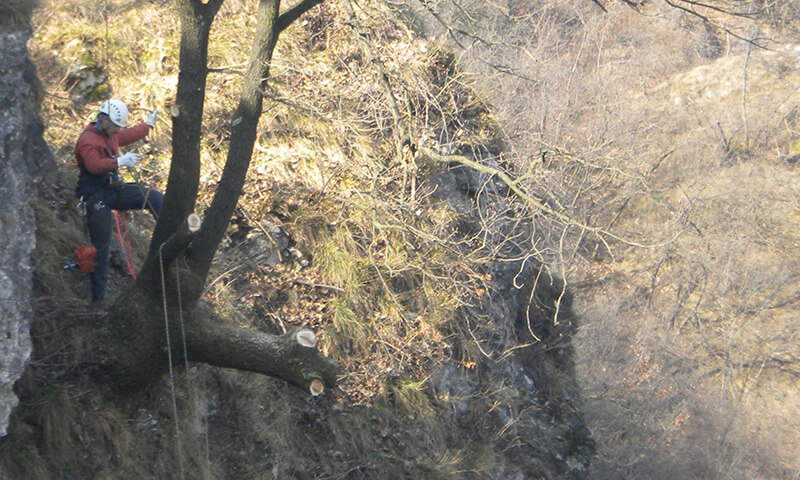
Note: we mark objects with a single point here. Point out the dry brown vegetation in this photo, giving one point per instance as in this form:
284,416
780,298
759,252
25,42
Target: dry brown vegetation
668,132
394,277
681,139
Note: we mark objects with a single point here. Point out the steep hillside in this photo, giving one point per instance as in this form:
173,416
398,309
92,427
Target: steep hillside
660,146
669,135
453,342
698,333
674,132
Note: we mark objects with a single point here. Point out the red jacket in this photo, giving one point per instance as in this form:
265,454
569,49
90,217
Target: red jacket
96,153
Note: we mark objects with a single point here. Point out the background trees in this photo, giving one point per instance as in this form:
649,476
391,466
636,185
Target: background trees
643,123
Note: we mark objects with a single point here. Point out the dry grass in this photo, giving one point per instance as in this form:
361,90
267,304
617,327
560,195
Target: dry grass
688,347
392,267
687,354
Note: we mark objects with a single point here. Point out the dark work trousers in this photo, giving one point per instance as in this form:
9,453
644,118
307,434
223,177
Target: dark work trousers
128,196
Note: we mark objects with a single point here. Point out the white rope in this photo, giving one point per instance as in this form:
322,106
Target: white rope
186,364
180,317
169,359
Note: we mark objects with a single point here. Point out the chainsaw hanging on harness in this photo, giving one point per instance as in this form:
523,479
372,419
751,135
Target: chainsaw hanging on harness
84,258
86,252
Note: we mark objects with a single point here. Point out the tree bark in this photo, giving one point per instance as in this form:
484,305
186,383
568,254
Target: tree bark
282,356
134,352
164,309
187,118
243,136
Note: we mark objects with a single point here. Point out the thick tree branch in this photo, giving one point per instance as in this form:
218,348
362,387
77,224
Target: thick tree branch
187,115
177,243
291,357
243,135
167,252
135,346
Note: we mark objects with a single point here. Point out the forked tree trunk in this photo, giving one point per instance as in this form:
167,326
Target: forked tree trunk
140,337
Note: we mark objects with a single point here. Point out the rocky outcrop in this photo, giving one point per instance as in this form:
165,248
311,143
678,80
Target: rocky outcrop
527,330
22,154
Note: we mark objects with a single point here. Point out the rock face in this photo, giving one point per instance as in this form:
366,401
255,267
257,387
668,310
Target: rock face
22,154
528,345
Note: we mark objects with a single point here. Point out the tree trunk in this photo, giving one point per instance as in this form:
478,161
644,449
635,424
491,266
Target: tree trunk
243,136
140,338
187,118
136,351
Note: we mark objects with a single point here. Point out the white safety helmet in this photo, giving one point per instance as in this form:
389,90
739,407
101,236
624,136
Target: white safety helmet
116,110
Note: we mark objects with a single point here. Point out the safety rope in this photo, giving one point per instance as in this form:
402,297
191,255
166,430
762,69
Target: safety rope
169,361
128,247
124,242
192,400
192,397
137,177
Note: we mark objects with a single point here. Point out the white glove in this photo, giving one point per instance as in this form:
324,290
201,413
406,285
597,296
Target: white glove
129,160
151,118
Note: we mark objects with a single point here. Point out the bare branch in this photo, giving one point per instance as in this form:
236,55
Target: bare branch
602,7
289,16
532,201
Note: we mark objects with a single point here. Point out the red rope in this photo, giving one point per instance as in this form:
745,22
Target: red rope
125,244
128,244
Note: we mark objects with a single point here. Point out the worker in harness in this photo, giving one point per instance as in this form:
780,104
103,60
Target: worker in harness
99,187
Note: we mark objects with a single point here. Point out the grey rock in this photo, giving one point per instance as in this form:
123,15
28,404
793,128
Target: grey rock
22,155
269,245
